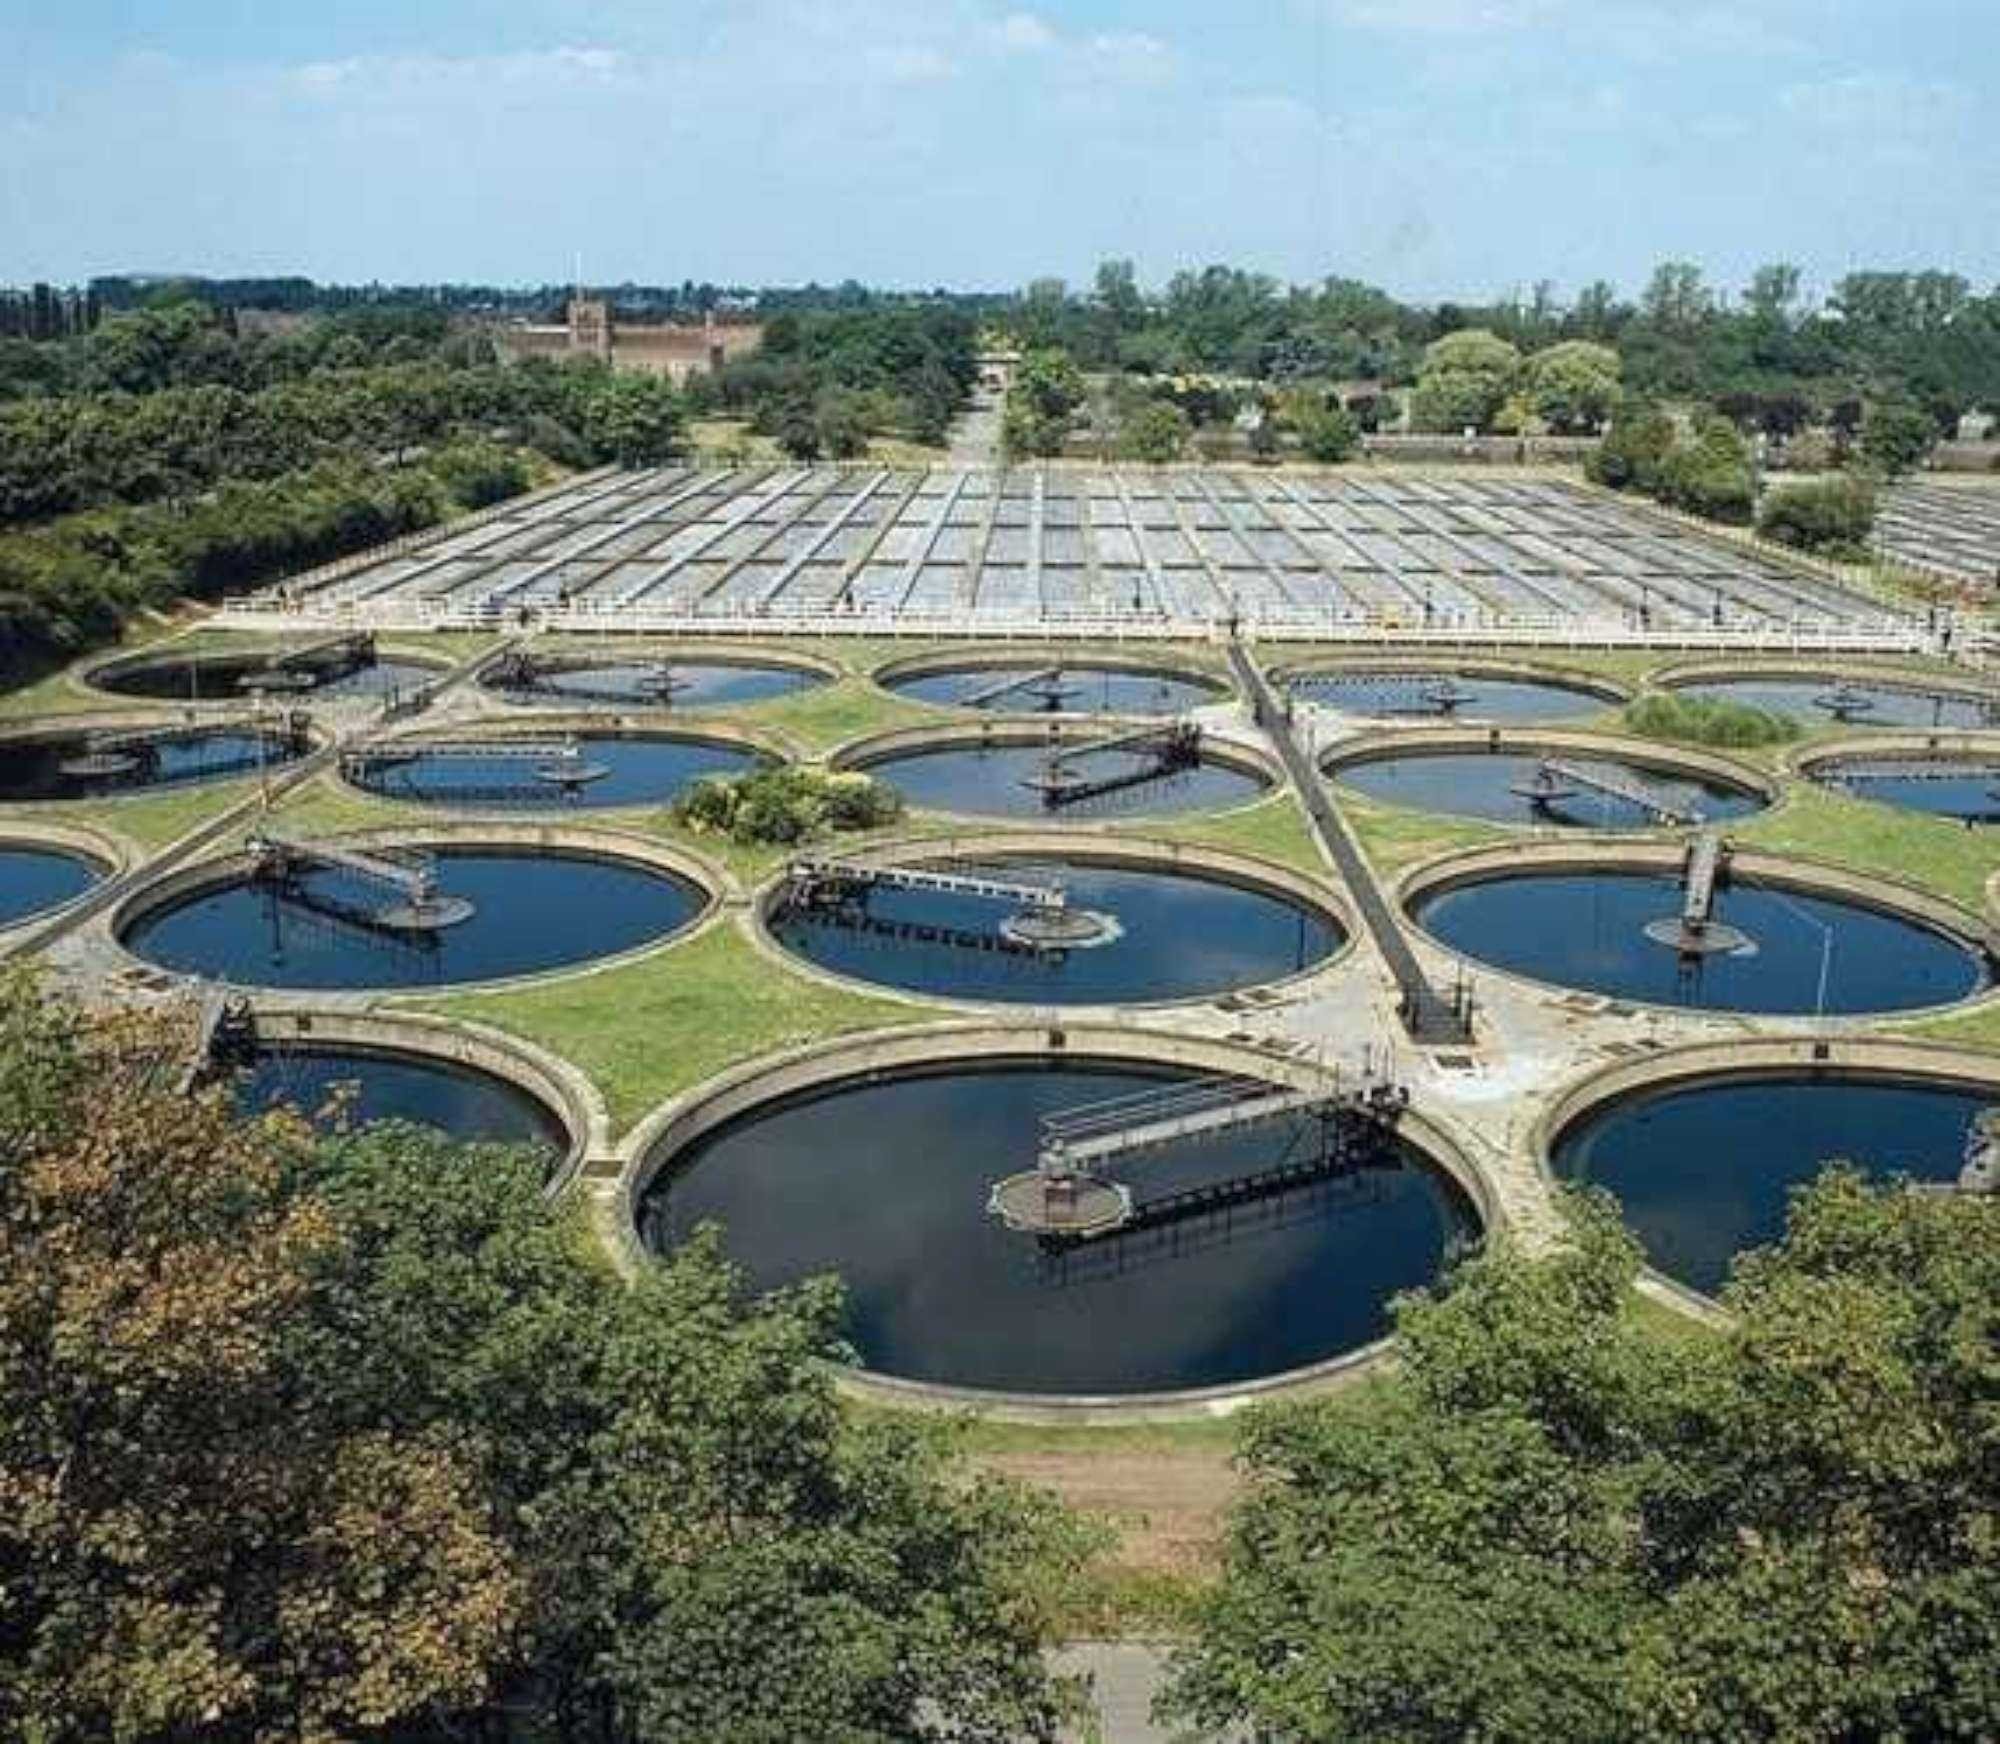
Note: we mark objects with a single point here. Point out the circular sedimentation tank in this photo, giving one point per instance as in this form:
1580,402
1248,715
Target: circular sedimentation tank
1127,932
594,768
1703,1169
532,910
231,675
110,759
1445,693
1031,686
340,1088
1963,787
639,679
1832,699
1006,775
36,878
1799,951
885,1179
1523,785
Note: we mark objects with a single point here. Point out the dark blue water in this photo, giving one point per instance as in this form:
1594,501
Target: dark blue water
1487,699
1891,707
639,771
1972,796
994,783
340,1089
1705,1172
225,678
1584,930
1178,937
1078,690
33,771
34,879
631,684
535,911
886,1184
1480,784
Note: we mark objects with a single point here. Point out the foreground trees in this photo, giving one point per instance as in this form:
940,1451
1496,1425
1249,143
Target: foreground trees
348,1440
1558,1525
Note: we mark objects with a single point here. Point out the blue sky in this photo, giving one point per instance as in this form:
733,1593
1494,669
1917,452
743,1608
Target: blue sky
1438,147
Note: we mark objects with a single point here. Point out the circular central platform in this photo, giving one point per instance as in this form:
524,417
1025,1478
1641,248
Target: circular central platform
886,1180
533,911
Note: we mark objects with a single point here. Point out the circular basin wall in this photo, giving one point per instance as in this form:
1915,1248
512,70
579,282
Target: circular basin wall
998,780
533,911
343,1088
1167,935
35,768
885,1182
1703,1171
633,681
1442,696
1502,787
1967,791
231,677
1875,703
36,879
620,769
1069,689
1807,953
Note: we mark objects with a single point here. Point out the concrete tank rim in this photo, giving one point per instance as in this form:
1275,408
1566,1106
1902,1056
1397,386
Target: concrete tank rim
199,719
1526,670
1198,862
710,882
655,1143
1639,856
587,650
106,857
885,675
1950,744
1882,672
88,674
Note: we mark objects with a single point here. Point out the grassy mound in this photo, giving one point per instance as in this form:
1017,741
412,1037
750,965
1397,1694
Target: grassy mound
1688,720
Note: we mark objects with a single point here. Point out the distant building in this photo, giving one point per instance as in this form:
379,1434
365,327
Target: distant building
675,352
1976,426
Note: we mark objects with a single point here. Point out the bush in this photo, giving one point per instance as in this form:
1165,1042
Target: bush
1834,516
1690,720
783,807
1329,436
1156,432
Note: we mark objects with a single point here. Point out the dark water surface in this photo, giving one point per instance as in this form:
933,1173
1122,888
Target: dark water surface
993,782
533,912
460,1101
1078,690
1585,930
34,771
886,1184
1177,937
1704,1172
632,684
34,879
638,771
1971,794
1890,707
1481,784
1487,699
222,678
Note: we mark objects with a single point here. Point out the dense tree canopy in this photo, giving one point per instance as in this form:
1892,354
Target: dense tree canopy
1556,1523
349,1439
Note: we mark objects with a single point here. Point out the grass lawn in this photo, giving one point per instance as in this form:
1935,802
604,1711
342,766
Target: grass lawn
1274,829
648,1030
1394,838
828,715
152,823
1934,852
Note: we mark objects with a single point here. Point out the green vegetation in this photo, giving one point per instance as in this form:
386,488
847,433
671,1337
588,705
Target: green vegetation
1694,720
1933,852
349,1439
1046,392
1705,472
1394,838
1831,517
786,806
1554,1525
650,1029
1273,829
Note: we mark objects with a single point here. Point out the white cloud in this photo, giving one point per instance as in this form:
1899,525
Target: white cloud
1133,56
1025,32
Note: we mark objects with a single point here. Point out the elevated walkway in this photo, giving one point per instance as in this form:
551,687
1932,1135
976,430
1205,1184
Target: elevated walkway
812,876
279,859
1161,749
1046,683
1556,779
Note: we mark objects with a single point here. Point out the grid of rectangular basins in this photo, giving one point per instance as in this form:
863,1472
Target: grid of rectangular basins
1190,543
1955,528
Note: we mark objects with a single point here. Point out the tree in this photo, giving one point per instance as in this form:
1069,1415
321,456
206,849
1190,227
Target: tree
1556,1523
1677,296
842,421
1896,436
1047,389
1573,387
1466,378
1329,435
1834,516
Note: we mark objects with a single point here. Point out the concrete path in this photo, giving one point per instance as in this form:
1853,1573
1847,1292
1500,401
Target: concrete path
975,434
1124,1677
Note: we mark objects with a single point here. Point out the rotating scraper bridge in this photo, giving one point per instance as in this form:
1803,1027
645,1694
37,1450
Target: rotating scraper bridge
1090,550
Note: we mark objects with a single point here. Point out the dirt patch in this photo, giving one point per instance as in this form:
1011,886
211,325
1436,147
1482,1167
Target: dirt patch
1168,1506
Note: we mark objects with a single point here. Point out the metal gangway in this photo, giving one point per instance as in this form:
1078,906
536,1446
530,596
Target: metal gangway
1082,1140
1441,692
1051,692
284,669
1920,769
1695,932
558,762
1169,745
424,908
813,874
1552,772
